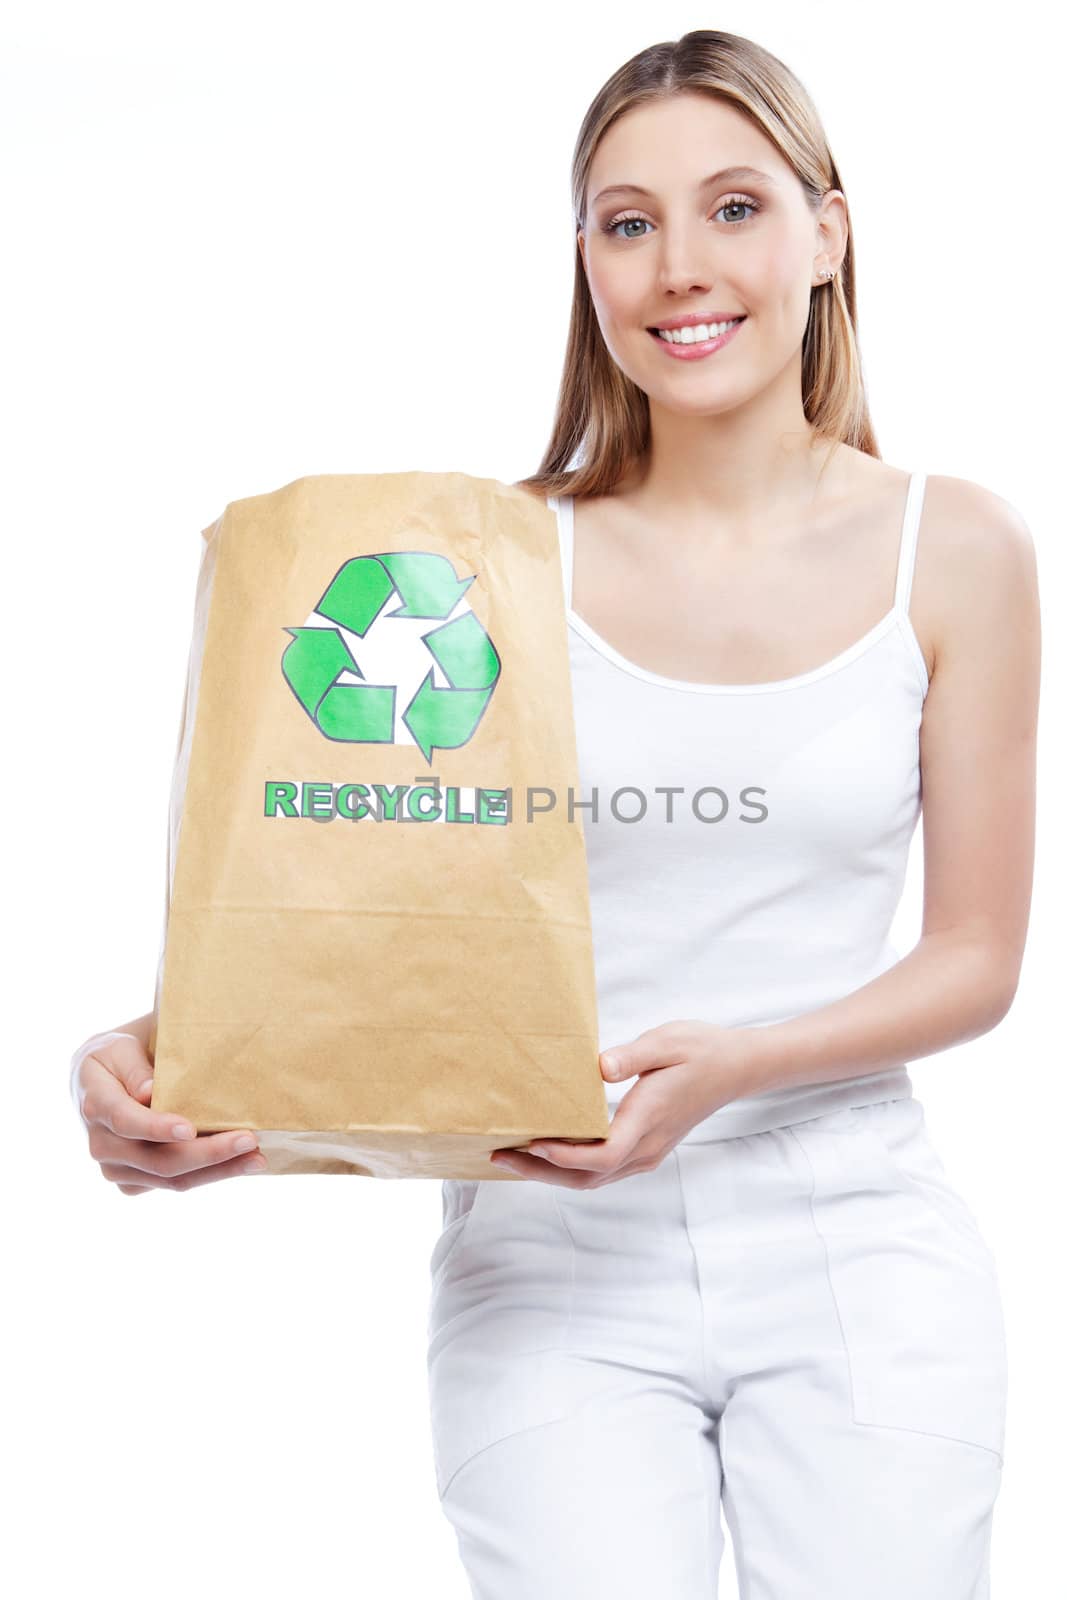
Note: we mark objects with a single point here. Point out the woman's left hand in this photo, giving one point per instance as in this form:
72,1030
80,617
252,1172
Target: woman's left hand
687,1071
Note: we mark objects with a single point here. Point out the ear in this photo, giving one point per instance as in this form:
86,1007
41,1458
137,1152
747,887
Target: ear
832,228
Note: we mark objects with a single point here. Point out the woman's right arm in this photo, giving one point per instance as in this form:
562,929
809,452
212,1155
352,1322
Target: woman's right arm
138,1148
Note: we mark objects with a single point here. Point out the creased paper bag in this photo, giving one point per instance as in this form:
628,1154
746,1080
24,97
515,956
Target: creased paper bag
377,949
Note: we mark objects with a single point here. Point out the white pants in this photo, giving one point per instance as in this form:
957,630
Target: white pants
805,1323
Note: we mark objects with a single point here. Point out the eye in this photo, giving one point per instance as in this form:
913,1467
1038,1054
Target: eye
617,222
734,203
742,202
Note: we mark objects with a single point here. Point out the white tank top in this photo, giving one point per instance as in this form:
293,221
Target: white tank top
772,890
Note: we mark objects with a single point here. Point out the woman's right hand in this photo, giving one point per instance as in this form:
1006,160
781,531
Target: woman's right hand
137,1148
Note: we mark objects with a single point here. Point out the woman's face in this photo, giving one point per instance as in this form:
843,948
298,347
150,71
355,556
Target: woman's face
741,245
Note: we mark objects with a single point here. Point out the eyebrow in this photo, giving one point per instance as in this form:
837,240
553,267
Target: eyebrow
715,177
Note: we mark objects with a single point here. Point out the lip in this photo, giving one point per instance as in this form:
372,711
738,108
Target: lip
697,351
692,318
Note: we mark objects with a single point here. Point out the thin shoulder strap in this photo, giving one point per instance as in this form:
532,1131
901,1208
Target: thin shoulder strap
909,538
563,505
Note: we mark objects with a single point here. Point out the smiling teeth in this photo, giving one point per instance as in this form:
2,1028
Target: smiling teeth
694,335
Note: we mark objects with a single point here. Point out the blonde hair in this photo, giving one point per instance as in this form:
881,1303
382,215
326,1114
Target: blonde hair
602,416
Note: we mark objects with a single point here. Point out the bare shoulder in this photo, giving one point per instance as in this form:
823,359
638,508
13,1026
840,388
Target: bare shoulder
976,568
967,518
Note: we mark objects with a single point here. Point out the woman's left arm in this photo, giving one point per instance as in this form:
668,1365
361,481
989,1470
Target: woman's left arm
978,753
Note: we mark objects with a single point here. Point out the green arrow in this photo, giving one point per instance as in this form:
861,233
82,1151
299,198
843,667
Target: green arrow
465,652
358,712
311,663
443,718
426,583
446,718
352,711
357,594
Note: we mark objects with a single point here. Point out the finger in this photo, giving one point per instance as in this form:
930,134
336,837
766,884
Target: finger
170,1159
131,1178
107,1101
573,1179
602,1157
528,1166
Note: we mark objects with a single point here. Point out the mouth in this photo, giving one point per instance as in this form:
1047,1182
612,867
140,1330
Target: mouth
713,328
684,343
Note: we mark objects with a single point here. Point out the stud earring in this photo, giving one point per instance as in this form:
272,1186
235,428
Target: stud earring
825,272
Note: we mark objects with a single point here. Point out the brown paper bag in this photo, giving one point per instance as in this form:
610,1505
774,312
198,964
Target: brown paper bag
373,954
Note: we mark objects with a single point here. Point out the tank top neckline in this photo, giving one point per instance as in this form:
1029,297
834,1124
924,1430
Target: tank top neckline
896,618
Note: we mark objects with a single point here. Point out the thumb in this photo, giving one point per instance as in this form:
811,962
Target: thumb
656,1047
125,1058
623,1060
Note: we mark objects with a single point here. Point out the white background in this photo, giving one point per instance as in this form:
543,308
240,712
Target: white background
245,243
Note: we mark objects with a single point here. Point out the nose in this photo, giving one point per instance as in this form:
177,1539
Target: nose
686,264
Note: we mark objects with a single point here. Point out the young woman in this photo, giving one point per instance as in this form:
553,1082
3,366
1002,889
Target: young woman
762,1287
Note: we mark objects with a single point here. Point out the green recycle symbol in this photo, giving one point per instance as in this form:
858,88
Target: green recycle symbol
364,713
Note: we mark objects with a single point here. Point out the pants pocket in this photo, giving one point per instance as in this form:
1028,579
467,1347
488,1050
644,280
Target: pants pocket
500,1321
458,1199
914,1283
899,1127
